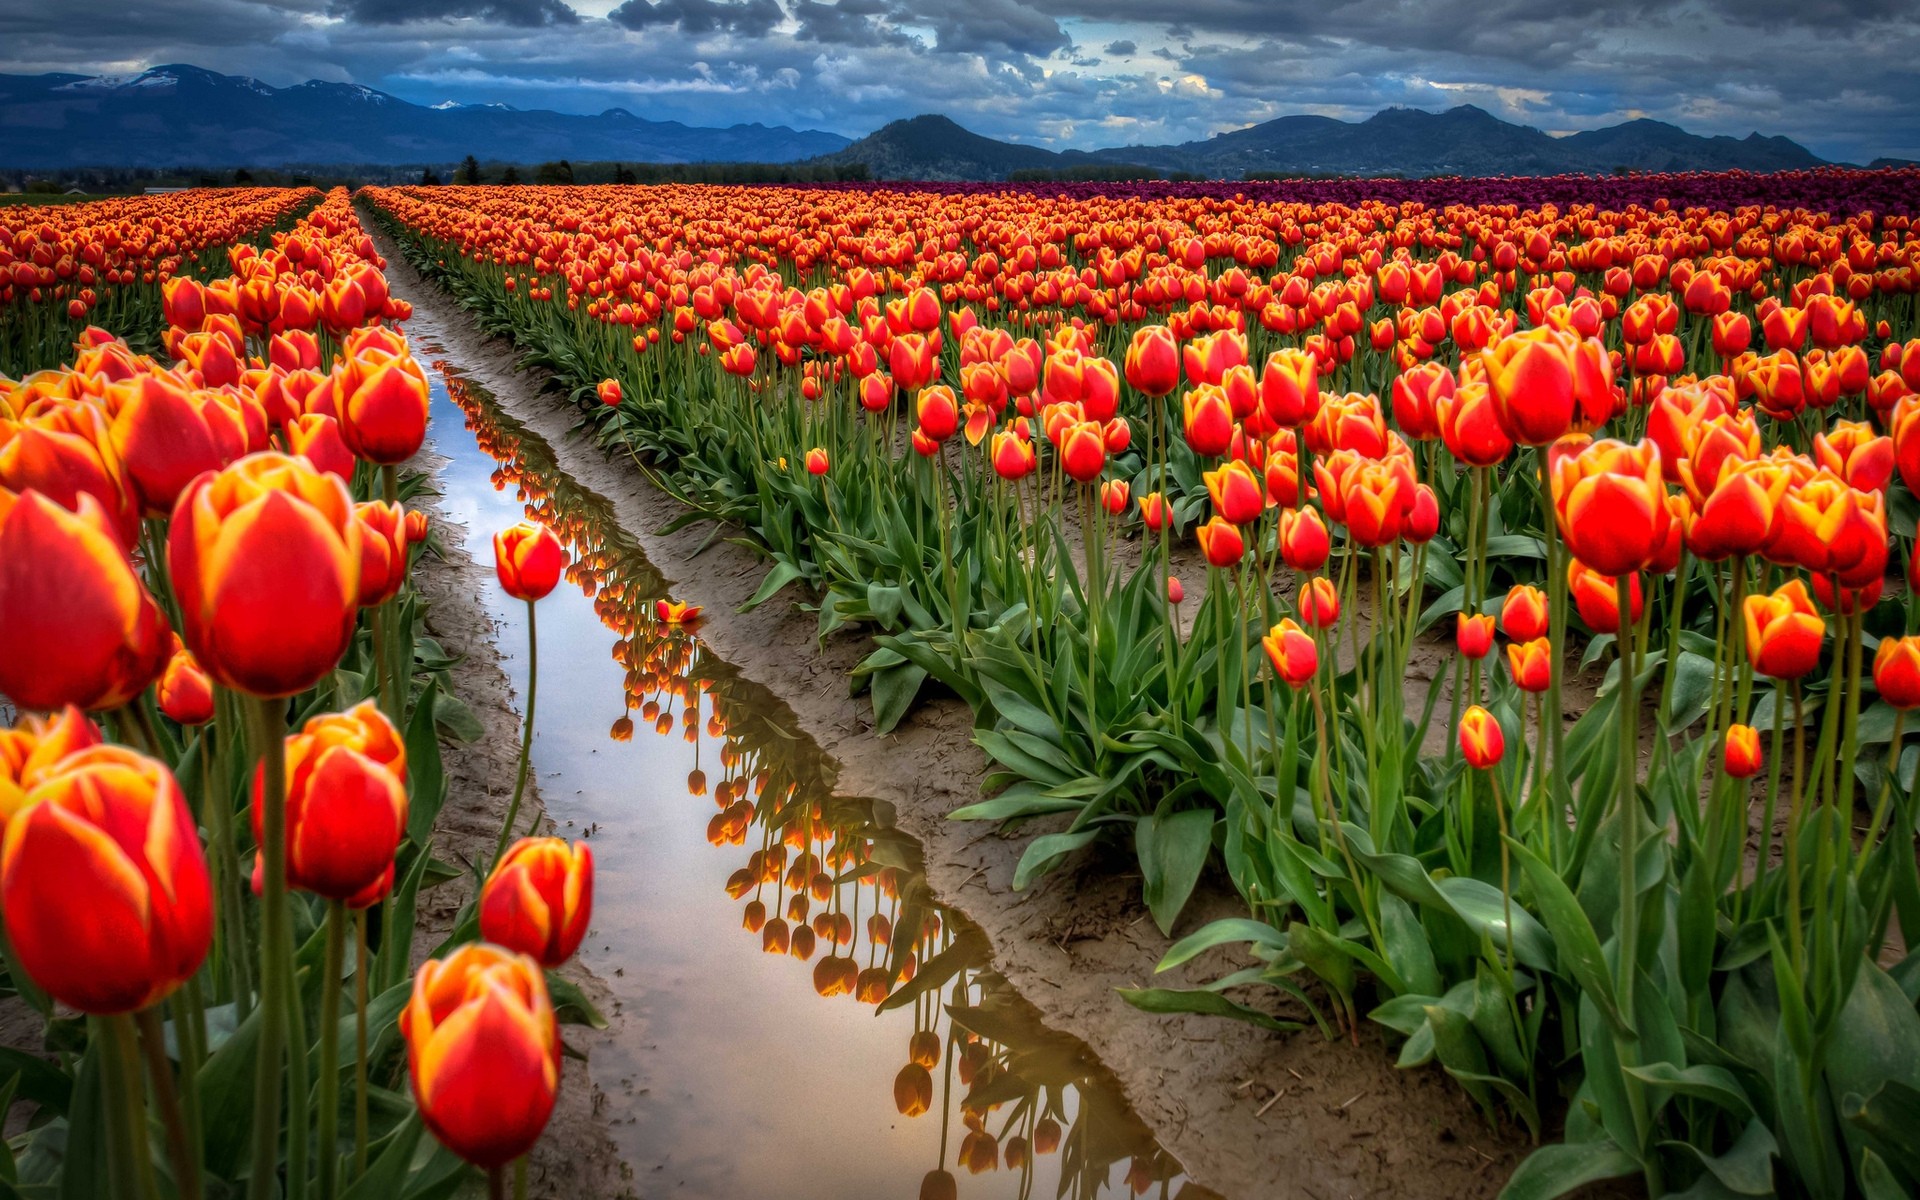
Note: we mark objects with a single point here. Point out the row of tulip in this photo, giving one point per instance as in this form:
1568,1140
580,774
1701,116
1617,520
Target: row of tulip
64,267
1396,404
196,552
825,881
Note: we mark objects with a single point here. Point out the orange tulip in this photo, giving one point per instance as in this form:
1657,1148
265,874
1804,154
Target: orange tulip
1470,427
1318,602
1523,615
1482,741
1531,664
1153,361
1209,421
608,390
1220,542
1083,451
316,438
1290,387
1596,597
938,412
64,454
1610,503
1832,529
1544,384
1784,631
913,1090
817,461
539,899
162,440
1239,495
383,550
346,803
1896,671
184,692
1741,755
483,1052
675,612
383,418
1292,652
1473,634
529,560
265,560
1304,544
1741,513
1854,452
103,884
1418,394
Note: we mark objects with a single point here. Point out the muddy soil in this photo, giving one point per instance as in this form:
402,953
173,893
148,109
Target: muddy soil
1249,1113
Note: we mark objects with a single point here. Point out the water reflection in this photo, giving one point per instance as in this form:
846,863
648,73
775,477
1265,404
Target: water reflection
998,1105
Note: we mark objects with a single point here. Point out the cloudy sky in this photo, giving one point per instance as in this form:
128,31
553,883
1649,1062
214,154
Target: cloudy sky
1840,76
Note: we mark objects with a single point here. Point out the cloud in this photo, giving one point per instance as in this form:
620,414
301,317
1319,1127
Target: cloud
749,18
1122,48
518,13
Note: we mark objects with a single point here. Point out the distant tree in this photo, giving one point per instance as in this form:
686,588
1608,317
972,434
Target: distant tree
554,172
623,174
469,170
511,177
243,176
428,178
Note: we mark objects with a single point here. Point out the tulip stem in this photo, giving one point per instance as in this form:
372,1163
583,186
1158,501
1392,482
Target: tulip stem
526,737
121,1055
328,1144
496,1183
181,1147
362,963
275,950
520,1178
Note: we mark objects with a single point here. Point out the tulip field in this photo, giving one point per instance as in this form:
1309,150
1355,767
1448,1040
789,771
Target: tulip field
1500,591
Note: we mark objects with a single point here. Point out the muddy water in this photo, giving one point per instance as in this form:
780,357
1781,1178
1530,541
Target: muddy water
797,1017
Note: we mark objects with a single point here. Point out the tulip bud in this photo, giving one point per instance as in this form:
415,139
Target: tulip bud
346,802
184,692
1292,652
1220,542
1531,664
1319,603
539,899
528,559
1784,631
1473,634
1482,742
1896,671
608,390
817,463
384,417
1742,756
483,1052
1153,361
1523,615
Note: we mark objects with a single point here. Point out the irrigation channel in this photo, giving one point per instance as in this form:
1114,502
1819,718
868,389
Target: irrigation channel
746,918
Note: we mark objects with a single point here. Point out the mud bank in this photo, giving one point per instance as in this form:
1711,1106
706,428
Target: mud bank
1249,1113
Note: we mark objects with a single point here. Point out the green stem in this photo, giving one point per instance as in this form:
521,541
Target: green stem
182,1149
328,1143
276,951
362,963
526,736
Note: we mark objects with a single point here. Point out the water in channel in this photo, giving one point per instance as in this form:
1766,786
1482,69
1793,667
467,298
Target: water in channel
798,1017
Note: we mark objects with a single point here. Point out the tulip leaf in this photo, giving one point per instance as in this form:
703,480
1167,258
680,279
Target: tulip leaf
1553,1171
1693,685
570,1003
456,720
387,1174
1173,850
225,1082
1746,1169
85,1174
1045,852
1225,932
37,1080
426,774
968,949
1208,1003
783,573
894,690
1573,936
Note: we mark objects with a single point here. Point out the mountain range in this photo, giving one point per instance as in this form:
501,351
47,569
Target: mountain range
183,116
173,116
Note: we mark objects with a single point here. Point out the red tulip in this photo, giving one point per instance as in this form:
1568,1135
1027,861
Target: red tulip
1482,741
346,802
539,899
528,559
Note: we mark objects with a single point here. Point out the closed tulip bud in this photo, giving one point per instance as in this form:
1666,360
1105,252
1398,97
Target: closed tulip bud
1741,755
1482,741
1523,615
1153,361
938,412
1784,631
539,899
1319,603
1220,542
1176,594
383,550
1610,502
1473,634
1113,496
316,438
1290,387
608,390
939,1184
1153,511
1544,384
1418,393
162,441
817,463
103,884
1013,456
265,561
1304,544
1896,671
913,1090
76,624
1083,452
1292,652
384,417
528,559
1239,495
1471,428
1596,597
1732,334
1531,664
483,1052
346,802
184,692
1046,1136
1208,421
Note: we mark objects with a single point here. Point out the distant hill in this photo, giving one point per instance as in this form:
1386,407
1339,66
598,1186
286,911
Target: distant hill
174,116
1397,141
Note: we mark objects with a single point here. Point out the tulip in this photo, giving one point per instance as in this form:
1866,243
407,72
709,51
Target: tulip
1473,634
1544,383
1290,387
1896,671
529,560
1418,394
1741,756
1319,603
184,692
1531,664
1220,542
384,417
265,561
383,550
1610,504
1013,456
162,441
1832,529
1114,496
1292,652
1304,544
316,438
346,802
1239,495
1209,421
1523,615
104,888
64,455
608,390
913,1090
1153,361
1176,594
1470,427
675,612
1083,452
1739,516
1154,512
76,624
817,463
1784,631
1596,597
539,899
483,1052
1482,741
938,412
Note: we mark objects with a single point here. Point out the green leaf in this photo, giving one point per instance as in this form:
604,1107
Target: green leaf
1225,932
1045,852
1693,682
1746,1169
84,1174
387,1173
1713,1084
1573,936
455,719
225,1082
1199,1000
426,774
1554,1171
968,949
1173,851
39,1080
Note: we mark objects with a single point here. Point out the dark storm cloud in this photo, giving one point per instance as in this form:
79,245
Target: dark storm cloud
1121,48
521,14
850,23
749,18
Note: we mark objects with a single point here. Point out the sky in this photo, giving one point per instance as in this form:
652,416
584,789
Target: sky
1838,76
